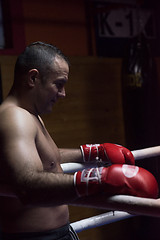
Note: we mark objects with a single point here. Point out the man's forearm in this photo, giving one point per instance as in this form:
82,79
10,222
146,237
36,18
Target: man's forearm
70,155
46,189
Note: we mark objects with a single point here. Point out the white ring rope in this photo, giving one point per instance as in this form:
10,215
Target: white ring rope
138,154
100,220
74,167
146,153
123,207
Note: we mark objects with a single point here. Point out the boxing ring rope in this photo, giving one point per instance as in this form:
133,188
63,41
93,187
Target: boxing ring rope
113,216
99,220
120,207
138,154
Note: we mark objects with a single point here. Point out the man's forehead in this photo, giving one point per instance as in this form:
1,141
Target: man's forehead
59,61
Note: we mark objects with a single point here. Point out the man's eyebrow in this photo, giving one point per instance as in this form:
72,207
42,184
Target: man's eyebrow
62,80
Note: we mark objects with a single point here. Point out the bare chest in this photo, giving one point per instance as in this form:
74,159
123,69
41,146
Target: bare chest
48,151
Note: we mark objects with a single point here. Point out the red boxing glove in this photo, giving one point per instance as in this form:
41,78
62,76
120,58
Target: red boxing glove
116,179
107,152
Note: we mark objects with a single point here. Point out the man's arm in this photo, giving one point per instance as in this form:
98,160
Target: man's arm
71,155
21,166
22,169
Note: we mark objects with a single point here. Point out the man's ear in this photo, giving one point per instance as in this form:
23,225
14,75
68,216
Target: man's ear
32,76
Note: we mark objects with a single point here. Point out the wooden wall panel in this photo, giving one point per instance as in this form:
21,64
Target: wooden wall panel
7,72
92,109
60,22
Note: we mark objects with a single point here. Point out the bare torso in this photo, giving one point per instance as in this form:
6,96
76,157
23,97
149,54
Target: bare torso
15,217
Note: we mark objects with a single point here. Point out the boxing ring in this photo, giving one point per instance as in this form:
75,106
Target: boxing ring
139,206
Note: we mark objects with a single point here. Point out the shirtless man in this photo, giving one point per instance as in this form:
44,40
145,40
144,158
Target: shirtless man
30,160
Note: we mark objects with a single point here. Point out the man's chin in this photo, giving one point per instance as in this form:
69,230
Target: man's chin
47,110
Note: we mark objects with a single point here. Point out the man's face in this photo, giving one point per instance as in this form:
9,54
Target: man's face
49,92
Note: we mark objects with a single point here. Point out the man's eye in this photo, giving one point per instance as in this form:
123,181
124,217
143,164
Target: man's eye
59,85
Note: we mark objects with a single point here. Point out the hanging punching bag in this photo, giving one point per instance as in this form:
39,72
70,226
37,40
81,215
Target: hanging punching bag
139,85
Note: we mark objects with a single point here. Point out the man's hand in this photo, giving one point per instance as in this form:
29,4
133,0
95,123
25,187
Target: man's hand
107,152
116,179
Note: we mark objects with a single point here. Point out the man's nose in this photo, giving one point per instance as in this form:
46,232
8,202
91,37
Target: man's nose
62,93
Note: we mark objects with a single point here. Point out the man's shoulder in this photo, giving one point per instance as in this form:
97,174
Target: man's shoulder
12,111
13,116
